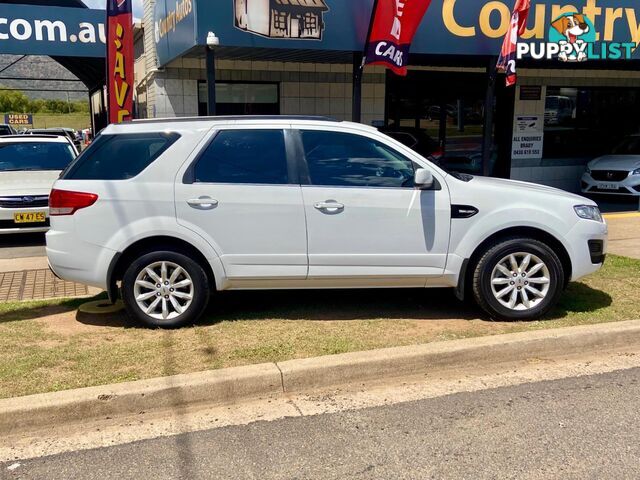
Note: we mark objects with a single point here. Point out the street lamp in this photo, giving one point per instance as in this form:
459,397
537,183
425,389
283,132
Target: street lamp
212,43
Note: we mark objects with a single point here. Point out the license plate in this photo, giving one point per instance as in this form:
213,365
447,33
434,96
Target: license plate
30,217
608,186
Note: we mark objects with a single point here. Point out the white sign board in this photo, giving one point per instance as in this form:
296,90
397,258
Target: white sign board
528,137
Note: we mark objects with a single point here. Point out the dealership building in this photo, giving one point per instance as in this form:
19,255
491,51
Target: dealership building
577,93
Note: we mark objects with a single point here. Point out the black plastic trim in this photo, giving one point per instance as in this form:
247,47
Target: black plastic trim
463,211
112,281
596,250
462,280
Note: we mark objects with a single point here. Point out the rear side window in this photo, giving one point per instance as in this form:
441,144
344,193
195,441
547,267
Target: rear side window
244,157
120,157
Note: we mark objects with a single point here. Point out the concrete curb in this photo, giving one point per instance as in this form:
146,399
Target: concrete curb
243,383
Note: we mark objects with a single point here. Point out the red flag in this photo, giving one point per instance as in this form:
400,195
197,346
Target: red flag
393,26
507,60
120,79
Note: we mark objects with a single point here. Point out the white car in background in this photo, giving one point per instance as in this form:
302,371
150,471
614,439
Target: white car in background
29,165
615,174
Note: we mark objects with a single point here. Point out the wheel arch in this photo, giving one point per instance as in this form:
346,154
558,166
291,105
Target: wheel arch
556,245
120,261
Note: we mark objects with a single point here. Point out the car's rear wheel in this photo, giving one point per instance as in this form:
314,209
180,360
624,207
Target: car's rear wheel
518,279
165,289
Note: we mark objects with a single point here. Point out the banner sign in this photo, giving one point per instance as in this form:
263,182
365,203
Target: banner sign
394,24
120,60
55,31
174,28
19,119
507,60
449,27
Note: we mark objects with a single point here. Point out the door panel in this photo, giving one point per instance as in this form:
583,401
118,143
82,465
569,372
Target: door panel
258,230
238,198
364,218
380,232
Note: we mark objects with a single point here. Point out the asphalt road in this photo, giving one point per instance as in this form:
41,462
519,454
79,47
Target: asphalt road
584,427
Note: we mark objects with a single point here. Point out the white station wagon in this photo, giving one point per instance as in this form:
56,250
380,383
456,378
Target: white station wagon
163,212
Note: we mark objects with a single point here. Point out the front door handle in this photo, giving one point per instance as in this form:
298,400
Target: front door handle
204,203
330,207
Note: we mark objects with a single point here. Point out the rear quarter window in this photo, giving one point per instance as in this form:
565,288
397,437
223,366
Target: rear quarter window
119,157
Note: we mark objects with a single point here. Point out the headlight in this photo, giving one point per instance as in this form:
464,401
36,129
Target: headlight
588,212
588,170
636,172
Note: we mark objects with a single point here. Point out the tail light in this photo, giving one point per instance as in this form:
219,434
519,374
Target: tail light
63,202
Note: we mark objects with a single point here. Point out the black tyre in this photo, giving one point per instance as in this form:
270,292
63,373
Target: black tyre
518,279
165,289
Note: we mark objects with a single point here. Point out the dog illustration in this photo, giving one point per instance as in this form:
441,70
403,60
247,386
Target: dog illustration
572,27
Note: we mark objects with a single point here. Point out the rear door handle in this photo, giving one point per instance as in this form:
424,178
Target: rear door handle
331,207
203,202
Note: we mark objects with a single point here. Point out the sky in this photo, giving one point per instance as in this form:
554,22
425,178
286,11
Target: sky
137,6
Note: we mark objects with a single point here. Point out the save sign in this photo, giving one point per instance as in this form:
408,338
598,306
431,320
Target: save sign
393,26
120,60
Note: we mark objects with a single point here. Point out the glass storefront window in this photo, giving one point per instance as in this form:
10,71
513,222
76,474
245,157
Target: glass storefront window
444,112
241,98
581,124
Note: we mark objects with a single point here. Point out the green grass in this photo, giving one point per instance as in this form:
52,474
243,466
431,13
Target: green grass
48,346
79,121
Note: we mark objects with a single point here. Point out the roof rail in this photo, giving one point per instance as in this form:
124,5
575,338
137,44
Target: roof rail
236,117
31,136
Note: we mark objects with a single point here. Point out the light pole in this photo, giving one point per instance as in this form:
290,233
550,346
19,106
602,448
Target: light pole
212,43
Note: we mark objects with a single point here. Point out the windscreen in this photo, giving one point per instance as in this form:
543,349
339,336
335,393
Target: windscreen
35,156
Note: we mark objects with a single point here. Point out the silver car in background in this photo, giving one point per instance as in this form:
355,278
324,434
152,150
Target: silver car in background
615,174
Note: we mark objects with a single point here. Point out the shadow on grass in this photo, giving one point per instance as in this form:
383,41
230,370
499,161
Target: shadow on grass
323,305
579,298
28,310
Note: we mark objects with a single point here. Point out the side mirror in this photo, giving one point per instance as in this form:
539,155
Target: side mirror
423,179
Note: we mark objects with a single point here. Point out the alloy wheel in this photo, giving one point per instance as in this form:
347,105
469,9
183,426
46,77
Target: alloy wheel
163,290
520,281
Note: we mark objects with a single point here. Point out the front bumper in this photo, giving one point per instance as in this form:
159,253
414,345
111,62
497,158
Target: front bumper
628,186
587,247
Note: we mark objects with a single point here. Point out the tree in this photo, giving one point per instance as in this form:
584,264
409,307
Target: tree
12,101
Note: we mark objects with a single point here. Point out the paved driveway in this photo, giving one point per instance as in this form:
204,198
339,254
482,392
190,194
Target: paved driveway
624,234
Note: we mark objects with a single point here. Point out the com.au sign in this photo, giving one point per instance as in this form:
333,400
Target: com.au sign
56,31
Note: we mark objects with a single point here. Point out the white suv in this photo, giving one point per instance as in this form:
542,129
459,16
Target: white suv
165,211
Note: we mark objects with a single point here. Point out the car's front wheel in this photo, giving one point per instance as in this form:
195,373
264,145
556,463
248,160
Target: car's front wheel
518,279
165,289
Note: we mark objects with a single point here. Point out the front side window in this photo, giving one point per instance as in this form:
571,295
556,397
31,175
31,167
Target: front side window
348,160
120,157
244,157
35,156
